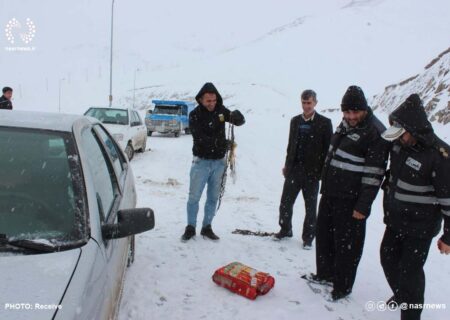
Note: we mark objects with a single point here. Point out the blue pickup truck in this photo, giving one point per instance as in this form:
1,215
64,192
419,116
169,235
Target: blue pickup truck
169,116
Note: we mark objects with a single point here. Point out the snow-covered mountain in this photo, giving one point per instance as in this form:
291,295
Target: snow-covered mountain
432,84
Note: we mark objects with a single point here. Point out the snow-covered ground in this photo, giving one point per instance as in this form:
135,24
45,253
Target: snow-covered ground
172,280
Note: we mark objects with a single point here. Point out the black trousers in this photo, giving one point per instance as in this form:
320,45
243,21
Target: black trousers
294,183
339,242
402,259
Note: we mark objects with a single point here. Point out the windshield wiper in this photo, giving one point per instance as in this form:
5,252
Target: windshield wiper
26,244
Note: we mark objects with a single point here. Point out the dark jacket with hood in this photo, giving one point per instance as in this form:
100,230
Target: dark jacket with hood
5,104
356,163
319,141
417,190
208,128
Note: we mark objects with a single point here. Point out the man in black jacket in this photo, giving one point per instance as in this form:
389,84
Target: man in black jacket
353,172
5,99
309,139
416,199
207,125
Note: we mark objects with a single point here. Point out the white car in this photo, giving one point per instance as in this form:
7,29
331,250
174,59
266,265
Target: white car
125,125
68,218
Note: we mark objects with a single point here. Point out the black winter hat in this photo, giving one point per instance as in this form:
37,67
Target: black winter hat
409,116
354,99
209,88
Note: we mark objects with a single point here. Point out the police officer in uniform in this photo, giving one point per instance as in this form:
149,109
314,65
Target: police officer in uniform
416,200
352,175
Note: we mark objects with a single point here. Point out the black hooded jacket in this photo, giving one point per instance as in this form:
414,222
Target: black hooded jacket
356,163
417,192
5,104
208,128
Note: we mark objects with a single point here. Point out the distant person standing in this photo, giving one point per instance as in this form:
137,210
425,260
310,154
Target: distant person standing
207,124
5,99
309,139
416,200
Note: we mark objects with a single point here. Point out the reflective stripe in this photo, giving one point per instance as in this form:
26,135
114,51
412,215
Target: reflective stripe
444,201
371,181
374,170
446,212
356,168
415,199
346,166
349,156
414,188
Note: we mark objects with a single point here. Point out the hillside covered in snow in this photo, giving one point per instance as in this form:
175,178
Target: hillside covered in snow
432,84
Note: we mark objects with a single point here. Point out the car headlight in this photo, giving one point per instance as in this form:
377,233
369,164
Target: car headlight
118,136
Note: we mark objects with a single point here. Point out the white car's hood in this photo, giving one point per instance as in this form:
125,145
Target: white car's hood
34,279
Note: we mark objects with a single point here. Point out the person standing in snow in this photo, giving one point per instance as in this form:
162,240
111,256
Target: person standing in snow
352,175
207,125
309,139
416,199
5,99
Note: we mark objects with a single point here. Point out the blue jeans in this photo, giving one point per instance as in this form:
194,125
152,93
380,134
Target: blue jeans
204,171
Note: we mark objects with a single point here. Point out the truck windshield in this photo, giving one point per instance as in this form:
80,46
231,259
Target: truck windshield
107,115
167,110
40,187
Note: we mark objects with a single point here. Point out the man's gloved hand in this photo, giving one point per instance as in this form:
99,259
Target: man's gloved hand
237,118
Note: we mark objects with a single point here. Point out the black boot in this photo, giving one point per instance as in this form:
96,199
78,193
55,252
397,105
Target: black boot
338,295
283,234
207,232
188,233
311,277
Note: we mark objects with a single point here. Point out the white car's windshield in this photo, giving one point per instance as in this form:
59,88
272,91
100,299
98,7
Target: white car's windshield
108,115
40,187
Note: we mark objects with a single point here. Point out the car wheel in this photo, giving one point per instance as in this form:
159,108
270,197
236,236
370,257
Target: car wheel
149,133
144,146
131,251
177,134
187,131
129,151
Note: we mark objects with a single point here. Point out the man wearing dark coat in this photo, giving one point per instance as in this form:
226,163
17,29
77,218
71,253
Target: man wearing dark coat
309,139
5,99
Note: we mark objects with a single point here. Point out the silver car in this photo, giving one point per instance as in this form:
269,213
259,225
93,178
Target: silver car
67,217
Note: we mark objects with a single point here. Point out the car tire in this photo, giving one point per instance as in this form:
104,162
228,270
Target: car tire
131,251
129,151
149,133
177,134
144,146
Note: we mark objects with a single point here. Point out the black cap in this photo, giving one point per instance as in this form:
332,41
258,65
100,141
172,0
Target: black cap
354,99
